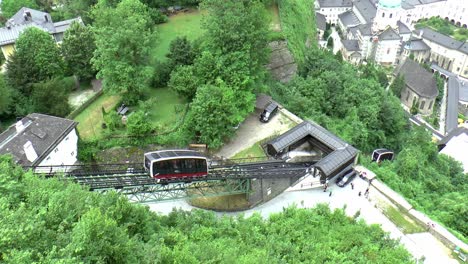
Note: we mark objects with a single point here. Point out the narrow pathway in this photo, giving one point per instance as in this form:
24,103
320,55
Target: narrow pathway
443,111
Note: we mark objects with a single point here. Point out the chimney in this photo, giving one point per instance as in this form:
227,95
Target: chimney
421,33
46,18
28,13
31,154
19,126
25,16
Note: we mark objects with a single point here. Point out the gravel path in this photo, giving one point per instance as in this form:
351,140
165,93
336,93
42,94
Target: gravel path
252,130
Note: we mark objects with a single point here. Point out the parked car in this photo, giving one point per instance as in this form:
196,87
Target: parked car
346,178
269,112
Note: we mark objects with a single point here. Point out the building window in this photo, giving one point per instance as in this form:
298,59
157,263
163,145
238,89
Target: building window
48,158
422,105
56,149
383,14
66,138
458,68
73,153
430,105
388,51
391,15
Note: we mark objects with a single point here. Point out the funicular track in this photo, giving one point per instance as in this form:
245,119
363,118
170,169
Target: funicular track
224,177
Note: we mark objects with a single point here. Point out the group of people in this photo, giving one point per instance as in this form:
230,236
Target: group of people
362,175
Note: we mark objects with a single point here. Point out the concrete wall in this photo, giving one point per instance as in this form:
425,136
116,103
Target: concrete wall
264,190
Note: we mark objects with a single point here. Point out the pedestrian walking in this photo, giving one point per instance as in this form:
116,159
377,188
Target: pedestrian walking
352,186
367,191
359,193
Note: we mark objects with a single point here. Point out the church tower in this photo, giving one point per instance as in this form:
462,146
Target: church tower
388,13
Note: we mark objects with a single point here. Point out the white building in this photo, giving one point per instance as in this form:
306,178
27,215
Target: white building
41,140
455,145
382,27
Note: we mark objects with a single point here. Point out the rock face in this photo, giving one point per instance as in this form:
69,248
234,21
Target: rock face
282,65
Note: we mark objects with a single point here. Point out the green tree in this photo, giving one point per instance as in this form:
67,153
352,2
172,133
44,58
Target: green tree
123,37
184,82
10,7
77,50
397,85
330,43
236,33
36,59
137,124
440,87
181,51
213,114
51,97
6,96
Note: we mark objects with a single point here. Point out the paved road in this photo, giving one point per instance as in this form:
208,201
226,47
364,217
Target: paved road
422,244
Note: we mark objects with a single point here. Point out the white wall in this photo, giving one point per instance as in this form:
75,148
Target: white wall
331,14
386,52
65,153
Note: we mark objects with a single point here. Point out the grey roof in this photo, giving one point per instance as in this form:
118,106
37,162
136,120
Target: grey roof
456,132
351,44
335,3
402,28
442,39
367,9
27,17
463,91
43,131
417,44
464,48
389,34
336,159
348,19
406,5
62,26
10,35
451,120
419,79
341,151
365,29
321,21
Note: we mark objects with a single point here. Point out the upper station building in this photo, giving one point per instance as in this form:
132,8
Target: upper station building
380,31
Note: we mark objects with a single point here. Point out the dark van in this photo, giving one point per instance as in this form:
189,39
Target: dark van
269,112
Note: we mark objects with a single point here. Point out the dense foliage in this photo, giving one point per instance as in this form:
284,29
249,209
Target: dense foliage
36,59
298,26
77,49
123,36
52,221
434,183
232,58
332,93
10,7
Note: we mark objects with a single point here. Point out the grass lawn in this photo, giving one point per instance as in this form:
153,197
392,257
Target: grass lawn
164,110
403,222
254,151
444,27
188,24
90,119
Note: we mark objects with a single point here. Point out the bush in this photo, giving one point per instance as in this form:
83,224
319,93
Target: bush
138,125
162,74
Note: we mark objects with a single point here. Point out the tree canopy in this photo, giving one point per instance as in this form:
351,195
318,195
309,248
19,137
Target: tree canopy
123,36
77,49
36,58
54,221
332,93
